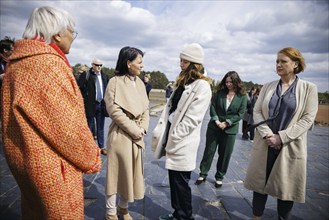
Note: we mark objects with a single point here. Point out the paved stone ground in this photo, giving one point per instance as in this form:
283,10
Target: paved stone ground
231,201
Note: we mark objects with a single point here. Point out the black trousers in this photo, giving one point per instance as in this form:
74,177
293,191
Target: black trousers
259,200
252,132
245,129
181,196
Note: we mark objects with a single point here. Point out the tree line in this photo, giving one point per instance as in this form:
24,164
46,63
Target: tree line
159,80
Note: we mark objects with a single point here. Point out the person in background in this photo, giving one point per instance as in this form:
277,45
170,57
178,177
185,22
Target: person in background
169,91
177,134
47,142
92,84
83,85
250,123
81,69
284,112
128,106
148,86
247,114
228,106
6,49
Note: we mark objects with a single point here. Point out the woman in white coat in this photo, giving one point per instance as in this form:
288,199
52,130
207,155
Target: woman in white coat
177,134
284,111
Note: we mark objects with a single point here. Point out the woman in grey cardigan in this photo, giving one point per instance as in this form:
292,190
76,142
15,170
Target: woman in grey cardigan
284,111
177,134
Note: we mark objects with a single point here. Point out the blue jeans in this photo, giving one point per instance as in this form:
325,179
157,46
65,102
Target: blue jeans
100,120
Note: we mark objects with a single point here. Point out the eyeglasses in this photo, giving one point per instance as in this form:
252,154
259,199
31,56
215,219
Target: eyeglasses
100,65
74,34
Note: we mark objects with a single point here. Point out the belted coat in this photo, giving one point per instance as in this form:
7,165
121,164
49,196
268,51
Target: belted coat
128,107
287,180
46,139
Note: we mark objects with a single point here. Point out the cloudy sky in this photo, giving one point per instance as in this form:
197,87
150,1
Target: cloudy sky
237,35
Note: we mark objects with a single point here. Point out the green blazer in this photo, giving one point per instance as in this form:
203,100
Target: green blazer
232,115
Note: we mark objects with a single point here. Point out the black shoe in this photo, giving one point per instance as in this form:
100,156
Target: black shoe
218,183
103,151
167,217
245,137
200,180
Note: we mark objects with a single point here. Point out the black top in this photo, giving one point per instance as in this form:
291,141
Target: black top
176,97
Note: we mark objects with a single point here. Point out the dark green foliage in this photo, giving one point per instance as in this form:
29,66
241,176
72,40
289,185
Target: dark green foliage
108,71
323,97
158,80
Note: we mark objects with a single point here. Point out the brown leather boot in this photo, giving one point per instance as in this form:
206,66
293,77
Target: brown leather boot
124,213
256,217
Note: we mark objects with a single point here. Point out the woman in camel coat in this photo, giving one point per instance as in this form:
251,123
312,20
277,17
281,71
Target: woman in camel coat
277,165
128,106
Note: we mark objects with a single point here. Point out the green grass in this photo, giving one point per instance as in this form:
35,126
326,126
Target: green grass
155,94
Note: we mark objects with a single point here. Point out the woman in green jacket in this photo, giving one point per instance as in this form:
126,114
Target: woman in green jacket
227,109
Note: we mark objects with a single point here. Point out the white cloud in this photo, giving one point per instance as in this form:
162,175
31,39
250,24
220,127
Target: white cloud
236,35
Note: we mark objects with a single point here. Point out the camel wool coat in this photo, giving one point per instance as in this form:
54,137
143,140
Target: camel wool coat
287,180
46,139
128,107
184,133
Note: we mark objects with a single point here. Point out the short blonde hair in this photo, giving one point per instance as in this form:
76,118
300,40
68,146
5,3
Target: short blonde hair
83,68
46,22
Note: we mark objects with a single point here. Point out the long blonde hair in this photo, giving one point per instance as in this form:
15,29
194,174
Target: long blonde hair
193,72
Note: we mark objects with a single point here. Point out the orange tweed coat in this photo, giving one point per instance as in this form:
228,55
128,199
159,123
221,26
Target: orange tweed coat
46,139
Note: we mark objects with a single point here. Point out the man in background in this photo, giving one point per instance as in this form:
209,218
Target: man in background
92,84
148,86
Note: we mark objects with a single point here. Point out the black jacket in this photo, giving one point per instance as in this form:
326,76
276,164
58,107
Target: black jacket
88,91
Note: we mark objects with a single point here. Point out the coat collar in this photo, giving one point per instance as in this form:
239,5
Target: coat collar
28,48
130,98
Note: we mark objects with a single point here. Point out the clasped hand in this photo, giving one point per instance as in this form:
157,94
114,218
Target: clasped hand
141,134
221,125
273,141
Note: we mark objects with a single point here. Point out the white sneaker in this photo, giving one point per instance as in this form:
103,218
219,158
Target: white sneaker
200,180
218,183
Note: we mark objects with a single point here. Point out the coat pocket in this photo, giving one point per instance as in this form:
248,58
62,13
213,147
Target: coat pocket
159,137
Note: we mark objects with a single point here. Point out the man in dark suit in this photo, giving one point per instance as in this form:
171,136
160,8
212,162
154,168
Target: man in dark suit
92,84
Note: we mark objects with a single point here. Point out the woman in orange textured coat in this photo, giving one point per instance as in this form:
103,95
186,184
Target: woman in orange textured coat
47,142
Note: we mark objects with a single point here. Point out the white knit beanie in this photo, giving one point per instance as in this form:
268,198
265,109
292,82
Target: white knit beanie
193,53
